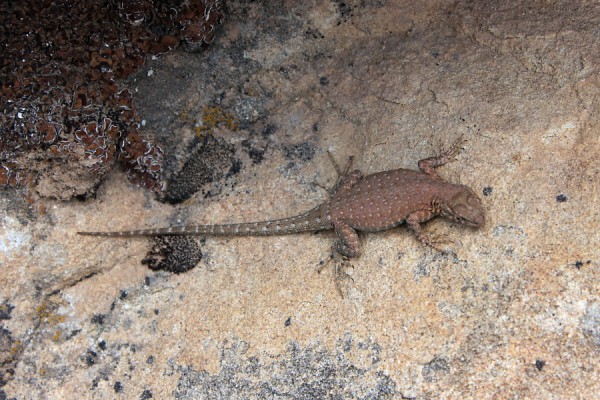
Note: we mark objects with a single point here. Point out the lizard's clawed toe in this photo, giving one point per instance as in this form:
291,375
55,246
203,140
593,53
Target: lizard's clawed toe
342,276
340,266
438,243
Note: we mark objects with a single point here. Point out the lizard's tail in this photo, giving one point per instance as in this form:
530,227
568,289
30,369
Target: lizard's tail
309,221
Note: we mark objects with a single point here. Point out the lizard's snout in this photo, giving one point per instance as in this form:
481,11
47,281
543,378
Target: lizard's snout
478,220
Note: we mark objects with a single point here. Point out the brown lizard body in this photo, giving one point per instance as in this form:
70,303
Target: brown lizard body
371,203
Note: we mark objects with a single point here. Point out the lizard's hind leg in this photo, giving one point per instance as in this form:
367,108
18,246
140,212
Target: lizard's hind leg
346,247
345,178
338,170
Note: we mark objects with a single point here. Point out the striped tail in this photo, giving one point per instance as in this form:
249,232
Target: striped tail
307,222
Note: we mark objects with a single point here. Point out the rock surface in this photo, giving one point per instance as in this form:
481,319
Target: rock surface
514,314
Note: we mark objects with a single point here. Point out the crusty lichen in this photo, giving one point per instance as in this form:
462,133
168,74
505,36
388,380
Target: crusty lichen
65,116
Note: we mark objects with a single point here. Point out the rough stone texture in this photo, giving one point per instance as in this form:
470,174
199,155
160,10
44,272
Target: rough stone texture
514,315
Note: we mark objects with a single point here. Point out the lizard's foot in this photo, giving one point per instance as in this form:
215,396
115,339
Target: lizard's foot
428,165
438,243
341,276
342,175
324,187
340,265
338,170
456,148
324,264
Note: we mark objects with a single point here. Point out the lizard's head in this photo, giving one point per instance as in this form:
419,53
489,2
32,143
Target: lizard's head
465,208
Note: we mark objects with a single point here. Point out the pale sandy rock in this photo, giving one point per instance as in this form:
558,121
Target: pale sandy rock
515,314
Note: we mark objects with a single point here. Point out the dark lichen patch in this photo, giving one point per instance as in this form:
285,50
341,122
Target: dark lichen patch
10,352
301,373
313,33
173,254
269,130
345,10
98,319
210,161
435,369
5,310
236,167
259,139
256,153
301,151
91,357
118,387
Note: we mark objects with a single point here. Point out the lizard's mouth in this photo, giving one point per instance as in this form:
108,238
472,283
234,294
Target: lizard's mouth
477,221
473,221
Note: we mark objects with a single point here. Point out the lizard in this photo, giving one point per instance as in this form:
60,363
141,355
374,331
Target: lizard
371,203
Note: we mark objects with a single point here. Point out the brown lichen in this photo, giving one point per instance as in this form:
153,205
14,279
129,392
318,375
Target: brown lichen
65,117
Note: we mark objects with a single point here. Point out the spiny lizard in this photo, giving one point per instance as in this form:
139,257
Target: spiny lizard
371,203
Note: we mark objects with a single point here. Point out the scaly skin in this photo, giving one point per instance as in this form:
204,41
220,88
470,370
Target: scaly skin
372,203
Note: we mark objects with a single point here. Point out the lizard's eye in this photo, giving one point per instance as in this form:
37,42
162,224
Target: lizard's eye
459,219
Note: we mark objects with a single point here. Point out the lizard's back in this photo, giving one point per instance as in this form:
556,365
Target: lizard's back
383,200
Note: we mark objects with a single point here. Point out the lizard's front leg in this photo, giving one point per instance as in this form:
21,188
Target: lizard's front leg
428,165
414,221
